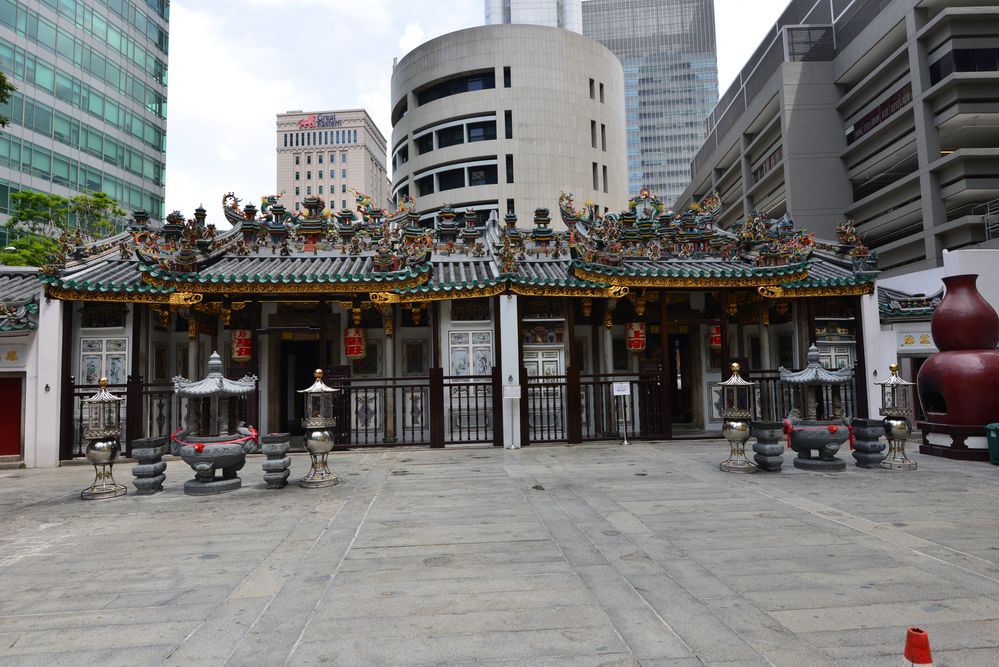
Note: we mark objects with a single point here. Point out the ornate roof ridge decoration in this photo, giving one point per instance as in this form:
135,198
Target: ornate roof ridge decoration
19,291
899,306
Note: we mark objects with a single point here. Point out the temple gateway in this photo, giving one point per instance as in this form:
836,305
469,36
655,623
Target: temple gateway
457,330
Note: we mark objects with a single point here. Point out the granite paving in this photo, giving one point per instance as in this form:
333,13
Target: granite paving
594,554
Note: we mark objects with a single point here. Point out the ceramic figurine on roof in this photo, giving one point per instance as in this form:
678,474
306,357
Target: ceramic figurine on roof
542,234
447,227
311,224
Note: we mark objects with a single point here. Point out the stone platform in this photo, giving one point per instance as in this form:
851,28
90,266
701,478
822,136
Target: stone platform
595,554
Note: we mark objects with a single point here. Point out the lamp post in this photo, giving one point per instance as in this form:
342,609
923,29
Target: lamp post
318,420
737,411
103,426
896,406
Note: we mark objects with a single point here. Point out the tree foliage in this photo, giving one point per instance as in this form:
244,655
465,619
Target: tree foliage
6,90
29,251
96,214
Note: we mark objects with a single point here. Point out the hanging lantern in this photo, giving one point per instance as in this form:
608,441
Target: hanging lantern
354,343
714,337
635,336
241,345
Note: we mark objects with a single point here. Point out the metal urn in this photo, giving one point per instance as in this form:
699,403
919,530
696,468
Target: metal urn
896,407
103,426
319,419
737,411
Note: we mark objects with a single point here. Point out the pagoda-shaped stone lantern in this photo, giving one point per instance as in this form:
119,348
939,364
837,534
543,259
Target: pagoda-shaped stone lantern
103,426
896,407
737,411
817,422
214,437
318,421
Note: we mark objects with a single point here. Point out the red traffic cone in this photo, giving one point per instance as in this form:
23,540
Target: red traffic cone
917,647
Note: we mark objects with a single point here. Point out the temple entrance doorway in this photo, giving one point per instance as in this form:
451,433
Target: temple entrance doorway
681,378
297,360
10,416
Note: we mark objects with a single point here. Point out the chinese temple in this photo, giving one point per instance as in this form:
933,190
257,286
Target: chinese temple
456,330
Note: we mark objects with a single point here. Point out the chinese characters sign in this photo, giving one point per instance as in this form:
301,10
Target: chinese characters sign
354,343
241,344
13,356
635,336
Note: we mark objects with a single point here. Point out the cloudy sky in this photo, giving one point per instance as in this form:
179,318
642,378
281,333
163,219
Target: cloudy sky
234,64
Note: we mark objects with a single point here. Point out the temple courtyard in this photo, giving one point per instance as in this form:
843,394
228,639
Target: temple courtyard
597,554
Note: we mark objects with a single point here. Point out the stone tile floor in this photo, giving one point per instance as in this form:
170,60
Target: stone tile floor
594,554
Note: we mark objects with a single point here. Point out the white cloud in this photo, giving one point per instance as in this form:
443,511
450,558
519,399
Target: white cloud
412,37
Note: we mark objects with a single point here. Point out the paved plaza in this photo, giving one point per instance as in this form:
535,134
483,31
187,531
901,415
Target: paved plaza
596,554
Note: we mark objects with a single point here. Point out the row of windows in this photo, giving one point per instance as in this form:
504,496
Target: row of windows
41,118
597,172
78,12
308,159
593,91
320,137
964,60
53,166
331,190
455,135
593,135
308,174
343,202
84,97
27,67
460,84
769,163
30,24
452,179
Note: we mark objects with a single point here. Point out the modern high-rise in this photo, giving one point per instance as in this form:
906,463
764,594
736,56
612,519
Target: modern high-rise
89,112
552,13
330,154
667,49
504,118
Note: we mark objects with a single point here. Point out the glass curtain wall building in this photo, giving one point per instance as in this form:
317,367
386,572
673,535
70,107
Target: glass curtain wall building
552,13
89,112
667,48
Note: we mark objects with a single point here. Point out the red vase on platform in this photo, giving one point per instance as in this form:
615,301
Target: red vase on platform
959,385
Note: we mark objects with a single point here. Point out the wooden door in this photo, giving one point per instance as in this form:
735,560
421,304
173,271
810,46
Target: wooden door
10,416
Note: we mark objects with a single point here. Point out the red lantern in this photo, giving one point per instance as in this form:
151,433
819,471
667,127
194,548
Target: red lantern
241,344
635,336
354,343
714,337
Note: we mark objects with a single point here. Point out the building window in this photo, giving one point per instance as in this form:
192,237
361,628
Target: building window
450,136
296,206
297,191
355,136
596,177
332,158
286,140
308,189
510,206
461,83
320,174
296,137
424,143
593,133
603,137
593,89
509,169
451,179
508,122
320,158
296,175
601,93
482,175
343,173
297,159
343,203
605,177
425,186
506,77
343,157
483,131
343,187
320,189
338,136
308,159
308,175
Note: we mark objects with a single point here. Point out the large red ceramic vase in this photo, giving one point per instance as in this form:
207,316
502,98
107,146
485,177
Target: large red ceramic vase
959,385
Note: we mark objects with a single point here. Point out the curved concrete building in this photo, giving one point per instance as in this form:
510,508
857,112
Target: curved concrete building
505,117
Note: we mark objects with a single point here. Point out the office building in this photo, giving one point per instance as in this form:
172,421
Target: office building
504,117
881,111
330,154
552,13
667,49
89,112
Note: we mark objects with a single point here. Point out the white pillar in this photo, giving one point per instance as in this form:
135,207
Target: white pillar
510,368
42,408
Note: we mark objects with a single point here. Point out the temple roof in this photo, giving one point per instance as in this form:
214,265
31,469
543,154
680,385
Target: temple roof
898,306
19,291
392,257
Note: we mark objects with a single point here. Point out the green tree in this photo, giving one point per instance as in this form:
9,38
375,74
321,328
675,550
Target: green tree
6,90
97,214
29,251
39,212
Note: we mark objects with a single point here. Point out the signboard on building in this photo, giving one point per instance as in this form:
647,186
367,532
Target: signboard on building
910,342
354,343
241,344
635,336
320,120
13,356
622,388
